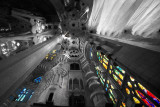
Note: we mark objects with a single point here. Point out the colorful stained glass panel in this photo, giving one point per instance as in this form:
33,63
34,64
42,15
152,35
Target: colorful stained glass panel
149,93
129,84
136,100
116,79
144,99
127,91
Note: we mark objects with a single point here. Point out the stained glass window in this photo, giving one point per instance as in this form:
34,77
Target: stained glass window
99,56
132,79
106,89
24,95
105,61
129,84
123,104
38,80
135,85
110,71
136,100
102,79
116,79
120,69
127,91
100,75
107,85
149,93
110,96
108,81
54,51
47,56
111,67
106,58
144,99
91,54
112,87
105,66
119,74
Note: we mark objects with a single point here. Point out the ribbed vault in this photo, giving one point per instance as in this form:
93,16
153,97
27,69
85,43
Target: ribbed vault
112,17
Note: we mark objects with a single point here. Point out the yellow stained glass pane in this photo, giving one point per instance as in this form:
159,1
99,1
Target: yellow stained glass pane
137,93
54,55
53,51
105,66
108,81
131,78
132,92
121,76
105,61
112,87
104,80
129,84
136,100
110,66
110,91
110,71
142,88
91,54
127,91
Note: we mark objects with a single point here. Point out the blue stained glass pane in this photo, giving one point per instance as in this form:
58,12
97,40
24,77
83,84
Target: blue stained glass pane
24,95
107,85
38,80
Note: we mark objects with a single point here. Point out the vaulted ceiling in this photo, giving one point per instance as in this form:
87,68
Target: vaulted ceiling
112,17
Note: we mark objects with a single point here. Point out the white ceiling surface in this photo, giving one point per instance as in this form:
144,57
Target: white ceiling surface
142,17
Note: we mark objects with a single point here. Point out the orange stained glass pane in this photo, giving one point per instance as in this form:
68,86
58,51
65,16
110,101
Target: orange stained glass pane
127,91
104,65
124,105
